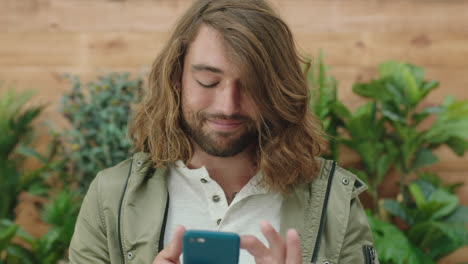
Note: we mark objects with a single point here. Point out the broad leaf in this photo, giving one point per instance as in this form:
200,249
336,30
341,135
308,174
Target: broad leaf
460,215
458,145
393,246
424,157
449,200
417,195
395,208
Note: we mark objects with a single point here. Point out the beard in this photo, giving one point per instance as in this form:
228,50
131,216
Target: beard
219,143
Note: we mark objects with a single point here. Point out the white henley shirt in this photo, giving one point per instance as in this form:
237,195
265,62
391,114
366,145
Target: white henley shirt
198,202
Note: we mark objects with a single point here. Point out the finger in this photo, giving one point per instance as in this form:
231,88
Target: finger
275,241
175,246
293,248
171,253
255,247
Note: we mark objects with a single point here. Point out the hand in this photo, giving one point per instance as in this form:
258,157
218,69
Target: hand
279,251
171,253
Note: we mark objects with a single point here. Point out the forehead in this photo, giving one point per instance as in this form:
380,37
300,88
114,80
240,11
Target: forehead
209,48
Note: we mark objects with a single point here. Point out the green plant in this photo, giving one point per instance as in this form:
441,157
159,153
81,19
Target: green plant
435,219
17,130
324,103
367,136
13,253
408,145
53,167
60,213
393,131
98,114
16,127
388,131
392,245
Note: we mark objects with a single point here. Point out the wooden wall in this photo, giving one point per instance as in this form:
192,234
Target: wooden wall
42,39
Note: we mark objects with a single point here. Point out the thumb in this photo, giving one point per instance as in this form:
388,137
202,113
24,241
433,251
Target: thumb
174,249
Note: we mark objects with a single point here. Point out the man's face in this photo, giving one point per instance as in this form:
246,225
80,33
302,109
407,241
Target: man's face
217,113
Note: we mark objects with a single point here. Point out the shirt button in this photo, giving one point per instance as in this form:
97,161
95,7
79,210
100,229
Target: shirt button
345,181
218,221
130,255
216,198
203,180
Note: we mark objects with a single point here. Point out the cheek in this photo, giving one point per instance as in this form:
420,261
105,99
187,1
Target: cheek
194,97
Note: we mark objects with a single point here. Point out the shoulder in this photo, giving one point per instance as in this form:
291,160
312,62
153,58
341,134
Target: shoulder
346,225
110,182
342,182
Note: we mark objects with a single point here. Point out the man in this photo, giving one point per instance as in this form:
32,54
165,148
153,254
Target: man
227,142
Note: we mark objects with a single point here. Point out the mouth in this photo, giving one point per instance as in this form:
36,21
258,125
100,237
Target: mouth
225,125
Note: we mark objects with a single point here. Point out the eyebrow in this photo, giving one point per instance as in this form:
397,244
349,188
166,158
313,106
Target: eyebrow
204,67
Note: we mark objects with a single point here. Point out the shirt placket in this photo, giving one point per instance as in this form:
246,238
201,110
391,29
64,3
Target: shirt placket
217,204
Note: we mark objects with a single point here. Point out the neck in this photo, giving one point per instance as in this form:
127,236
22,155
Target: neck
231,173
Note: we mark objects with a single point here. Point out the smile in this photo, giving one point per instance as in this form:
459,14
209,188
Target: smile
226,125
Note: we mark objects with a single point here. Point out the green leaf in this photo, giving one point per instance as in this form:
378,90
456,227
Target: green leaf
451,122
412,89
458,145
397,96
393,246
438,238
460,215
449,201
365,90
18,254
427,87
392,115
340,110
417,195
424,157
390,69
7,232
426,188
423,114
29,152
396,209
384,163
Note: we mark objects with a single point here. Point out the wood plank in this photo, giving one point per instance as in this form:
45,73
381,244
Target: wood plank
457,257
439,49
447,50
79,49
377,16
302,15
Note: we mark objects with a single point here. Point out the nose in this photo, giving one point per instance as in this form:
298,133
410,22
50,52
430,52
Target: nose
228,98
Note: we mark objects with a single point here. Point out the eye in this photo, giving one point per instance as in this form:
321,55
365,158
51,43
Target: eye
207,85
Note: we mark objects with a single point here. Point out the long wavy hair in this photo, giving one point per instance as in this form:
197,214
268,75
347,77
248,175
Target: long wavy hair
290,136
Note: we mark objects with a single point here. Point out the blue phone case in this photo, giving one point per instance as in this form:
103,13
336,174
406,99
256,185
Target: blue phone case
209,247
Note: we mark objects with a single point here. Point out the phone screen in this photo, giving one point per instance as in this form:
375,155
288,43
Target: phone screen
210,247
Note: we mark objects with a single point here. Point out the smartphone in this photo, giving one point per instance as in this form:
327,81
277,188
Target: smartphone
210,247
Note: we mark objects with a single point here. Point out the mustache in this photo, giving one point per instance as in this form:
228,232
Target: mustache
236,117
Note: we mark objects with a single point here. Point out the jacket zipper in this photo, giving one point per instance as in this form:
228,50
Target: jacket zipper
323,215
163,227
120,214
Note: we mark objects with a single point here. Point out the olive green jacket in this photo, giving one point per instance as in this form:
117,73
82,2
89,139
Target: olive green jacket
122,216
